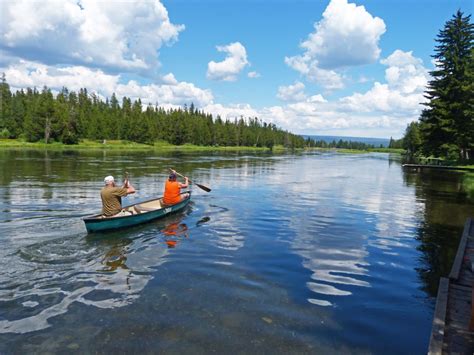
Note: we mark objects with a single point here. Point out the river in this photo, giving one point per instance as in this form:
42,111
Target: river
313,253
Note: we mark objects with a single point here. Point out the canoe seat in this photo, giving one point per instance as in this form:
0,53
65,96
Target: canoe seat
141,209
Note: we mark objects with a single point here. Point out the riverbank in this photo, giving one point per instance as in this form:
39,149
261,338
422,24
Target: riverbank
371,150
165,146
441,167
123,145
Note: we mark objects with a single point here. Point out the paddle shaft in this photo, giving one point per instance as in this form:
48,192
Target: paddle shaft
125,180
189,180
205,188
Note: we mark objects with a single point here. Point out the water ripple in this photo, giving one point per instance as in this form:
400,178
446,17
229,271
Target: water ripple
64,271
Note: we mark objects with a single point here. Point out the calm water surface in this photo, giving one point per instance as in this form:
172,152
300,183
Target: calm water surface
305,253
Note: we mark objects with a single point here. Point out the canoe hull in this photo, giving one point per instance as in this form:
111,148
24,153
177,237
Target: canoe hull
99,224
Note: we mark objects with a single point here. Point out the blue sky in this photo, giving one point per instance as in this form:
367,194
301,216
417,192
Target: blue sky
339,67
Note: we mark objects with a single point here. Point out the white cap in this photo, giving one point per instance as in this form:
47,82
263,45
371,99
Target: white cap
109,179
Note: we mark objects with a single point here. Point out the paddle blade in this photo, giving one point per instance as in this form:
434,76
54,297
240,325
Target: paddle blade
205,188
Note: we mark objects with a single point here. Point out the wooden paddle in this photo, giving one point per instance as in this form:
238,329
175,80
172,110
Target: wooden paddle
125,179
126,184
205,188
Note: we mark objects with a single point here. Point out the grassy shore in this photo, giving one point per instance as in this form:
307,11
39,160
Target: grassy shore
361,151
122,145
163,146
388,150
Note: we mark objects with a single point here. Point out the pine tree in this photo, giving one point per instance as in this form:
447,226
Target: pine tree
448,121
46,113
412,139
15,125
112,117
5,108
124,119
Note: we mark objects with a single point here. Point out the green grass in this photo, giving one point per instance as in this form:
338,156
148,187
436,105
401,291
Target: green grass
121,145
361,151
350,151
388,150
85,144
470,167
431,160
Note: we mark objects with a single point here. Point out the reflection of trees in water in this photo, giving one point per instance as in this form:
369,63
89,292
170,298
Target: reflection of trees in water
438,245
447,204
80,174
468,183
69,165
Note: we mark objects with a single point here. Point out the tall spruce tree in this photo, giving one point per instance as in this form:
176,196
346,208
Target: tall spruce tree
15,125
412,138
45,114
5,107
447,124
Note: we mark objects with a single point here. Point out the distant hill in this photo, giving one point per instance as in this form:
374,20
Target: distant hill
373,141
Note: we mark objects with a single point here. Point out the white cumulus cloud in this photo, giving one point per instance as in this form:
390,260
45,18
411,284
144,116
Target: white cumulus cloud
169,93
25,74
231,112
292,92
113,35
231,66
347,35
383,110
405,72
406,80
253,75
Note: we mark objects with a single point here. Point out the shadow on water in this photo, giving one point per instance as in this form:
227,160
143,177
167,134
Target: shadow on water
448,200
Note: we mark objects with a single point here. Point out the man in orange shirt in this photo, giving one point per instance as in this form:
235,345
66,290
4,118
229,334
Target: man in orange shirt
173,188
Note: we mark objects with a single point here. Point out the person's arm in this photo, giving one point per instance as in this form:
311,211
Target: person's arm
130,189
127,185
186,183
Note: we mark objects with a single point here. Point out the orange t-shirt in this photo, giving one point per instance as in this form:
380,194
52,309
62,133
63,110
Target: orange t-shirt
172,192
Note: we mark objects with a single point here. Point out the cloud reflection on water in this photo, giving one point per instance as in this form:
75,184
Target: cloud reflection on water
104,274
225,234
369,215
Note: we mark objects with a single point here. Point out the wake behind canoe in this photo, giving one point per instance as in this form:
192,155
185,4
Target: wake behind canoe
141,212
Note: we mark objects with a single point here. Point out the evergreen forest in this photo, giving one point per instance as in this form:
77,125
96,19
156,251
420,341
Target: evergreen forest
69,117
446,126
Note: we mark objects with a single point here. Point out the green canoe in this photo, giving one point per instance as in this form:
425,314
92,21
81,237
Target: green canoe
141,212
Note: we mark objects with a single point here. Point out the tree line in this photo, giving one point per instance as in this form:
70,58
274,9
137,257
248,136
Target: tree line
446,126
340,144
69,117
